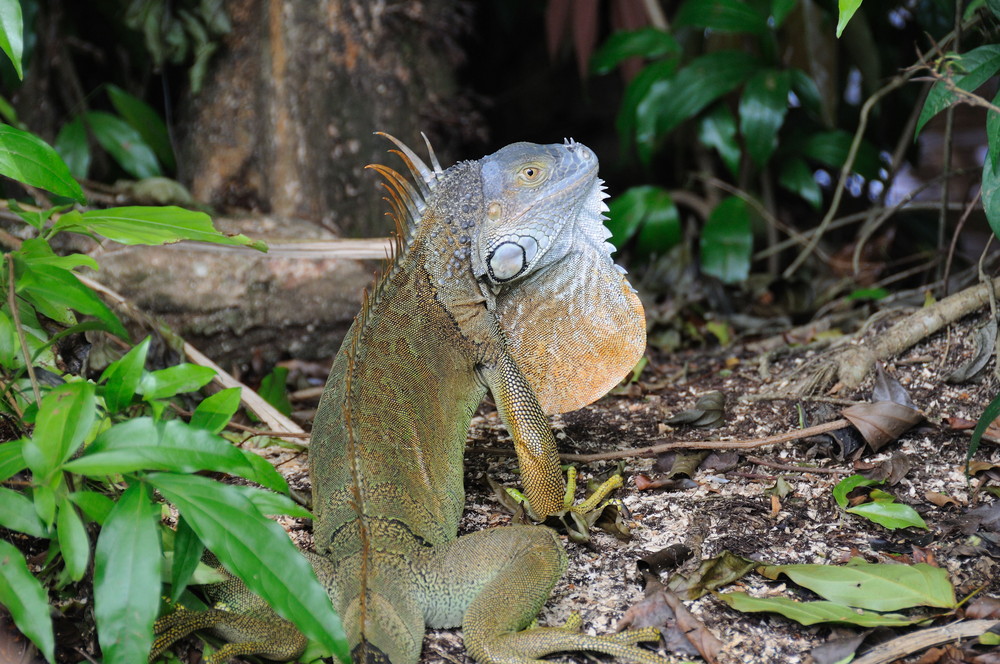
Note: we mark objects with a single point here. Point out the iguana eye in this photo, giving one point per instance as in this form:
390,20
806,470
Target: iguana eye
531,174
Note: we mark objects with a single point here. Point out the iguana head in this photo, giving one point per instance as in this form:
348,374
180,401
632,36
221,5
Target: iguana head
539,200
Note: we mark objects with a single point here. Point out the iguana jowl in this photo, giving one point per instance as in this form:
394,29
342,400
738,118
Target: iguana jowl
502,282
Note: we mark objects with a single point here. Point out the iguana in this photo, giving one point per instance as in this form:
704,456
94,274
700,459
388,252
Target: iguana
502,281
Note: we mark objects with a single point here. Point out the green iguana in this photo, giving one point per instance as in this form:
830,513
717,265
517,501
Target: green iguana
502,281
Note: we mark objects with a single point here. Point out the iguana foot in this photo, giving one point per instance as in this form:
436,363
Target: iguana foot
578,519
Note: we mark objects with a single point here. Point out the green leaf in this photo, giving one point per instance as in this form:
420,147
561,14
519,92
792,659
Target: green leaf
44,502
636,117
979,64
215,412
26,158
95,506
65,417
273,390
36,251
127,578
178,379
990,414
73,540
811,613
993,134
805,89
73,146
121,378
10,344
872,586
146,121
17,512
888,513
722,16
187,554
644,43
717,129
780,9
991,195
847,9
26,600
258,551
762,112
11,35
125,145
143,443
832,147
11,460
645,206
848,484
272,503
54,291
704,80
151,225
797,177
727,241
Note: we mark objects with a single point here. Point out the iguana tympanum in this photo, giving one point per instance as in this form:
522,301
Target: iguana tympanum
502,281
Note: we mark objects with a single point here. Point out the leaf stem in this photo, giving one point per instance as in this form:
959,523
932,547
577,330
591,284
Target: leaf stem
12,302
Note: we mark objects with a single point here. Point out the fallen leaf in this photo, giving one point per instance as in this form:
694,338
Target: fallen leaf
711,574
940,499
708,411
881,422
887,388
984,607
984,341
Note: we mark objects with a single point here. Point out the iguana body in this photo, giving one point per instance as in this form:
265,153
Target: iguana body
502,282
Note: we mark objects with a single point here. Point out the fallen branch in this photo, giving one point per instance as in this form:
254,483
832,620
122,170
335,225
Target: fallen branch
901,646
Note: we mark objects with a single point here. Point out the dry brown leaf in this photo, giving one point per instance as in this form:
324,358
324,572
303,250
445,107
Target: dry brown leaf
940,499
881,422
984,607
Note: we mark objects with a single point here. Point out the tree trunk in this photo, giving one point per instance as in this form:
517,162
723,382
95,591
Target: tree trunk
284,122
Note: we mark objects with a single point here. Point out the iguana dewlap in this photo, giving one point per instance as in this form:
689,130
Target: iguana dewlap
502,281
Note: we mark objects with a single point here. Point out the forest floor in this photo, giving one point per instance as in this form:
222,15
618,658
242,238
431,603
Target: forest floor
732,509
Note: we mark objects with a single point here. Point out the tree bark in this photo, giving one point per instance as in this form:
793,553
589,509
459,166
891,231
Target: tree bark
284,123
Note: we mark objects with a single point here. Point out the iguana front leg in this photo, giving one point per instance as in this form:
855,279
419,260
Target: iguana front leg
541,475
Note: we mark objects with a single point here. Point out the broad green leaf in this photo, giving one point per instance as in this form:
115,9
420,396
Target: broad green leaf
797,177
780,9
258,551
888,513
811,613
271,503
187,554
127,578
644,43
994,6
993,134
73,540
717,129
73,146
11,460
722,16
274,391
12,35
26,158
17,512
805,89
146,121
43,499
178,379
214,413
848,484
65,417
847,9
762,112
37,218
991,195
636,120
95,506
832,147
644,206
979,65
55,291
10,344
143,443
705,79
26,600
36,251
121,378
727,241
872,586
151,225
123,143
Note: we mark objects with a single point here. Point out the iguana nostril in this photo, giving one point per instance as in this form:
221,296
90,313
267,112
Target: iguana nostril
508,260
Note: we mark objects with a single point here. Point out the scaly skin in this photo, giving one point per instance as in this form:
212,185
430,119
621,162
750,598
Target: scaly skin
503,283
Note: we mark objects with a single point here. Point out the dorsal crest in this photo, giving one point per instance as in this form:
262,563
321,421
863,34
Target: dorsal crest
407,201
